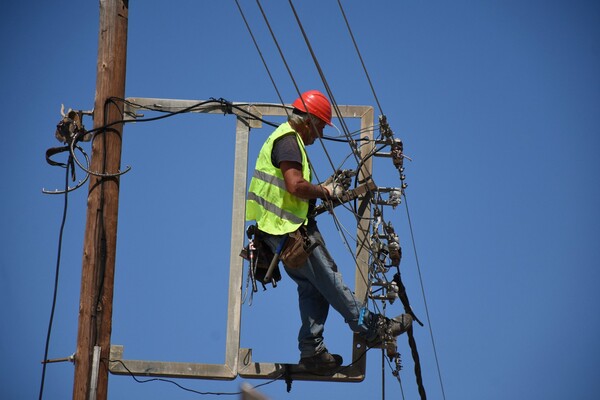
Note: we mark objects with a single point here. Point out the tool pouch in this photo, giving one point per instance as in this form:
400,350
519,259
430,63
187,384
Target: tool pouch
263,255
297,248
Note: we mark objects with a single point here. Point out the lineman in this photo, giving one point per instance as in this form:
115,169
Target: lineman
279,199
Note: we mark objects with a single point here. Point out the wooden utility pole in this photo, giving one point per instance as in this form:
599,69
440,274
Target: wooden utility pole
100,240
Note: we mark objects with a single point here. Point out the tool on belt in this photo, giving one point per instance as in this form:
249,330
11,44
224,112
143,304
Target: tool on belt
259,256
293,250
297,248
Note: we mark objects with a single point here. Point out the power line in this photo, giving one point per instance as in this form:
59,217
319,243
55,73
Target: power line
287,67
329,93
344,127
360,57
424,297
294,83
260,54
413,344
405,202
319,69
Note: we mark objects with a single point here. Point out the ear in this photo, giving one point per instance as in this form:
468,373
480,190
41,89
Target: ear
302,127
309,126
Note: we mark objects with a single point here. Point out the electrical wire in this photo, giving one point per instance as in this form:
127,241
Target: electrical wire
368,129
319,70
397,377
102,245
56,276
331,96
260,54
168,114
108,126
185,388
424,297
405,202
287,67
360,57
291,75
281,376
329,91
327,87
222,103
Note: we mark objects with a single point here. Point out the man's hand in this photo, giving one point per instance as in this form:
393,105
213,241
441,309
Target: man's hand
338,183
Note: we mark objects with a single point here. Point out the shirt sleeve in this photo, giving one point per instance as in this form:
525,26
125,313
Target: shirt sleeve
286,149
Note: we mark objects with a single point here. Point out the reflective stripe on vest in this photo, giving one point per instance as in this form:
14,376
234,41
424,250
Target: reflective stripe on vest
276,210
273,180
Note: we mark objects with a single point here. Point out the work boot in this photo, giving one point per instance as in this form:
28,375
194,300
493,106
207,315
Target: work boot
322,362
389,329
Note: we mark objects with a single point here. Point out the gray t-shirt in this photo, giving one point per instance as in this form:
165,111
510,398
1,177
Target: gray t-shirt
286,149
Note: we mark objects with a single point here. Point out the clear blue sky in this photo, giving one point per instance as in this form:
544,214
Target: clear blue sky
498,104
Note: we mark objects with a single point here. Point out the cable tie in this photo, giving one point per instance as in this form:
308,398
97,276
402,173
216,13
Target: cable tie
361,316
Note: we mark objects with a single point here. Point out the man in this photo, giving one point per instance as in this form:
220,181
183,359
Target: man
279,199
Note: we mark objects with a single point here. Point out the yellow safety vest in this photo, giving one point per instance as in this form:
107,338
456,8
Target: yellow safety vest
275,210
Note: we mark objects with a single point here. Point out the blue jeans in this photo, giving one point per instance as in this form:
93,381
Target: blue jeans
319,286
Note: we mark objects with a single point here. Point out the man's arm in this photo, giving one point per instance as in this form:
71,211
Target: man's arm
297,185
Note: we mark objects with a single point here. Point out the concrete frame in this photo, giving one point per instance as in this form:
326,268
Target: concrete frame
238,361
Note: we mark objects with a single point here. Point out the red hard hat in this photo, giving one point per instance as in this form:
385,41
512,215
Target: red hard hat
317,105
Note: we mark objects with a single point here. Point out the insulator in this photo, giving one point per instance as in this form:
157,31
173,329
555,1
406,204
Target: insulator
70,126
389,227
392,349
375,247
386,290
395,258
395,197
